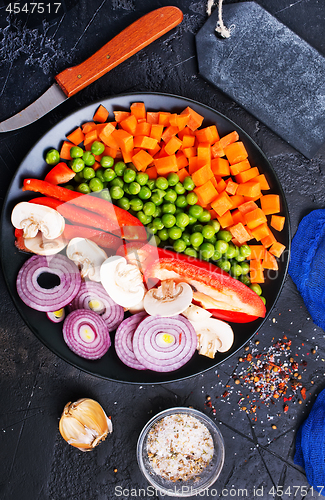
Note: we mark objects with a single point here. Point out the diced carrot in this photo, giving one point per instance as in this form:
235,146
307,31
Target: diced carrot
123,139
164,118
254,218
152,117
238,217
106,132
166,164
155,150
182,173
188,141
110,152
236,200
202,175
129,124
213,213
277,249
185,131
214,182
270,203
192,164
100,127
190,153
111,142
251,188
128,154
207,134
168,133
269,261
101,114
182,121
268,240
263,182
90,137
138,109
277,222
239,232
144,142
152,171
76,137
221,186
231,186
204,153
225,220
236,152
206,193
195,120
260,231
247,175
156,131
257,252
173,145
141,160
88,126
220,166
256,271
65,150
229,139
182,161
121,115
143,128
222,203
217,150
241,166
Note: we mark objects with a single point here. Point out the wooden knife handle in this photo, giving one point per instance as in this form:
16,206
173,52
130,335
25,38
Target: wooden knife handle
132,39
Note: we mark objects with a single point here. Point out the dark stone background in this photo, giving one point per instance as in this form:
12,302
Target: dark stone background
35,384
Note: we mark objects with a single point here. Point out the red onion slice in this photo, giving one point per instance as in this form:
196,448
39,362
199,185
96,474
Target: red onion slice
48,299
86,334
93,296
124,340
56,316
154,353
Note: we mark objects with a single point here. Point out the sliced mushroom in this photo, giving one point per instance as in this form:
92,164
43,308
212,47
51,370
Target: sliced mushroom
88,255
196,313
139,307
33,218
122,281
213,335
169,299
43,246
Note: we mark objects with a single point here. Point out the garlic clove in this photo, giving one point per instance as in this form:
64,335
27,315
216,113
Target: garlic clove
84,424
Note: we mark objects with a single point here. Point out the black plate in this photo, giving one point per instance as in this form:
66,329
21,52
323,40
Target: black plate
110,367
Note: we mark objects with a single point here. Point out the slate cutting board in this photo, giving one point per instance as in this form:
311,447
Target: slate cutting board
269,70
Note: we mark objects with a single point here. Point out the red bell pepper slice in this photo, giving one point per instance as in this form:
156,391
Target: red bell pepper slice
60,174
232,316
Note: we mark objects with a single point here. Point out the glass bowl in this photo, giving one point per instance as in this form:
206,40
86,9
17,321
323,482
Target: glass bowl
189,487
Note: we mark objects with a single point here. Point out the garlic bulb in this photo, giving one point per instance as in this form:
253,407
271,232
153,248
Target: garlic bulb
84,424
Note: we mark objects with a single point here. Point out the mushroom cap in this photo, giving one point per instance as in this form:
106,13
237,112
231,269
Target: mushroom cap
32,218
42,246
168,299
213,335
89,255
196,313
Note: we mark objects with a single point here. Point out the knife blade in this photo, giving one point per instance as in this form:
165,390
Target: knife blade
128,42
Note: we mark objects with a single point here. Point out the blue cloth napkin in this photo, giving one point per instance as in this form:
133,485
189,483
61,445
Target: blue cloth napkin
307,264
310,445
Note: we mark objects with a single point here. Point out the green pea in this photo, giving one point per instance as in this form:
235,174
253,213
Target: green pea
263,299
157,212
179,188
157,222
116,192
161,183
192,220
129,175
213,240
170,196
205,216
143,218
197,228
221,246
256,288
156,199
100,174
105,195
124,203
77,164
192,198
195,211
159,192
107,161
119,168
155,240
78,178
149,208
109,175
190,252
182,220
142,178
136,204
206,250
180,201
236,270
163,234
117,182
68,186
245,251
168,220
186,237
172,179
150,183
175,233
208,232
134,188
152,229
215,224
76,152
188,183
240,258
52,157
217,255
245,267
96,184
245,279
126,189
231,251
179,246
224,235
144,193
88,173
97,148
196,239
224,265
168,208
88,158
83,188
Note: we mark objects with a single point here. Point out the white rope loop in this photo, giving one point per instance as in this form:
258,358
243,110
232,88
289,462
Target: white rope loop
221,29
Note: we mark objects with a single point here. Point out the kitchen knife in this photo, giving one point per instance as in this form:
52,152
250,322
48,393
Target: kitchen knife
124,45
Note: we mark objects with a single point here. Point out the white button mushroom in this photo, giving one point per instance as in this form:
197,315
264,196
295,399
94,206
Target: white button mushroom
33,218
122,281
88,255
196,313
43,246
169,299
213,335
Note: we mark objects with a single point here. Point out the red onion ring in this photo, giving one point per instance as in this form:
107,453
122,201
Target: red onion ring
52,299
123,340
112,313
167,358
54,318
80,321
